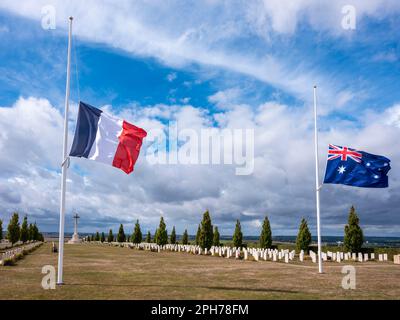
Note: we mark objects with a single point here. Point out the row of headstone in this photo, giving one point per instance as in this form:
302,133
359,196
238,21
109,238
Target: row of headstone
346,256
12,253
257,254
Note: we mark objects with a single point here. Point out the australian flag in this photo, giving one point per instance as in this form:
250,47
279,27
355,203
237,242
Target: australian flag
356,168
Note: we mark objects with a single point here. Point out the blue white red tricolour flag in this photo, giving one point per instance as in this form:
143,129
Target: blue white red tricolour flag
356,168
104,138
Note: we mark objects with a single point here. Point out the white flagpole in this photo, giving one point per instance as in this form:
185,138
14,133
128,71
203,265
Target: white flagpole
317,185
65,164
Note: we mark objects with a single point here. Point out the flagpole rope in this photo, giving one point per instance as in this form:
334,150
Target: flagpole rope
76,69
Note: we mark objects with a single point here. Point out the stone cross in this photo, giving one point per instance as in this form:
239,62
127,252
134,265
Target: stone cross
76,217
75,236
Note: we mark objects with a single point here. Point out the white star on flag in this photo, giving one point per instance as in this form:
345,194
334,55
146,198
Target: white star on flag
342,169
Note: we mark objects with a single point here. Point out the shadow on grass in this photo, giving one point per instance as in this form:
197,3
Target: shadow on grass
183,287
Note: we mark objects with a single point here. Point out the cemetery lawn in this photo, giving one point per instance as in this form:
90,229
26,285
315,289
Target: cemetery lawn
93,271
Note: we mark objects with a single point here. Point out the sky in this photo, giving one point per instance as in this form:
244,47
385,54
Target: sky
203,64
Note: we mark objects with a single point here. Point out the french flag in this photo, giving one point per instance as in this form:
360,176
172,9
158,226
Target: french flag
104,138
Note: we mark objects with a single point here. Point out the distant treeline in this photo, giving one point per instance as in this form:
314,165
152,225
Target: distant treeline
25,232
208,235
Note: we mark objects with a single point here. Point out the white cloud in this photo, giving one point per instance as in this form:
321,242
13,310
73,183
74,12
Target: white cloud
389,56
225,98
281,186
171,76
207,33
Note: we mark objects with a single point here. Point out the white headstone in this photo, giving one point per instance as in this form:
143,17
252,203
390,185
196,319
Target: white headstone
365,256
360,258
255,255
313,256
286,258
301,257
385,257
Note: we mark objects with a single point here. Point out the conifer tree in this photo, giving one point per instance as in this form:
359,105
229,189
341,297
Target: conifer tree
103,237
24,236
1,230
303,240
137,233
172,238
35,232
148,237
185,237
216,237
238,235
206,232
13,229
110,237
30,232
198,236
92,238
353,234
97,238
155,236
121,234
88,238
162,233
266,235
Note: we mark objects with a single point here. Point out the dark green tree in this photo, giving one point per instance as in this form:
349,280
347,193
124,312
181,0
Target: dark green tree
155,236
303,240
1,230
266,235
88,238
92,238
13,229
206,233
36,234
24,234
353,234
185,237
172,238
97,238
148,237
198,236
110,237
162,233
30,232
121,234
103,237
137,233
238,235
216,237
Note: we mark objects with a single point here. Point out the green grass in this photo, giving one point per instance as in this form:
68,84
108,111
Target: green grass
101,272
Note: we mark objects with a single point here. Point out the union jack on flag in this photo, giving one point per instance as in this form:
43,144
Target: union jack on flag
343,153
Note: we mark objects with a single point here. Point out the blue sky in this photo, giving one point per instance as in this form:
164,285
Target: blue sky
219,63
